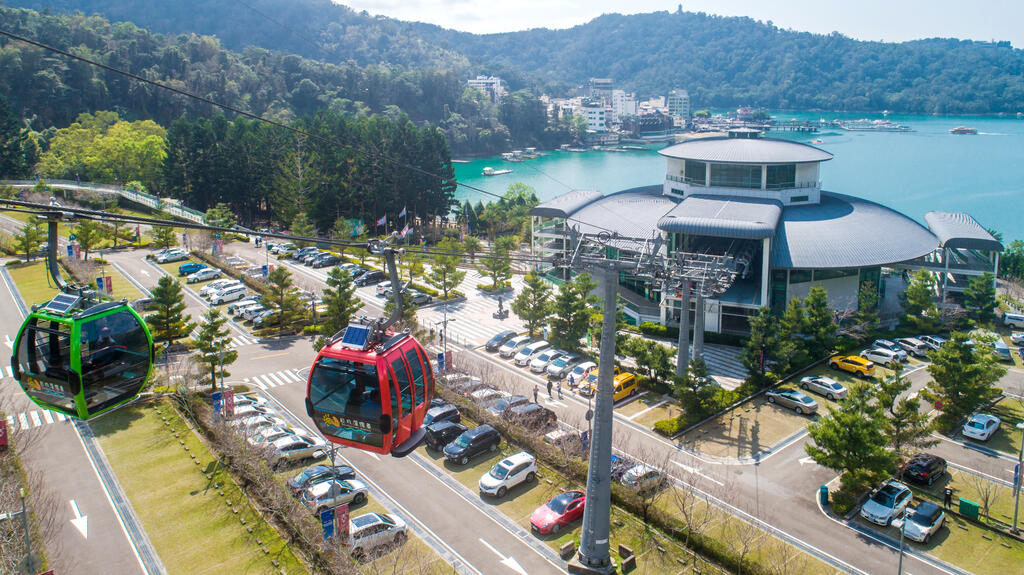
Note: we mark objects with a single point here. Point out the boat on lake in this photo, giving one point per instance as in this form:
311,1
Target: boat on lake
874,126
492,172
963,130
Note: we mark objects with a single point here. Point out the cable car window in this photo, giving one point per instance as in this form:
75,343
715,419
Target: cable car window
417,373
115,359
348,395
44,357
396,406
404,385
430,373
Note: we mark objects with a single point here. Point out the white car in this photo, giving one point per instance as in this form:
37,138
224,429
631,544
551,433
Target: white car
486,394
215,285
580,372
297,447
512,346
286,247
881,356
171,255
825,386
241,306
1017,337
526,355
981,426
914,346
932,341
643,477
250,313
270,434
259,400
375,531
886,503
252,423
328,494
230,293
540,363
203,275
509,472
893,347
920,523
244,302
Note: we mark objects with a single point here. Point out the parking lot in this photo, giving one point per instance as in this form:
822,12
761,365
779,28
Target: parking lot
745,431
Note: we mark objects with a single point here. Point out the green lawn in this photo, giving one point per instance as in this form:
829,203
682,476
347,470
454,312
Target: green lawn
1007,439
194,528
33,282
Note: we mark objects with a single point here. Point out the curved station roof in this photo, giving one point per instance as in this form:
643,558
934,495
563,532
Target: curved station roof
727,150
960,230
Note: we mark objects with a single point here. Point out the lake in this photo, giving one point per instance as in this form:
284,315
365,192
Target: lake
913,172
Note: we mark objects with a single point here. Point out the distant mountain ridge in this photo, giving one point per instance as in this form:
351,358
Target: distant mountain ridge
722,61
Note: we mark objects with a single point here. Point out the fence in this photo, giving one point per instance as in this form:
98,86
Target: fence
169,206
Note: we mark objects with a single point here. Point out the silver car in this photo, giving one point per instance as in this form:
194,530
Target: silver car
297,447
330,494
799,402
825,386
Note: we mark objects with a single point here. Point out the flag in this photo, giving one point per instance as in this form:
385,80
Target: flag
383,220
402,215
406,230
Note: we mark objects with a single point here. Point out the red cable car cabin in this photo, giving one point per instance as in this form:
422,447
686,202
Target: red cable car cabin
370,397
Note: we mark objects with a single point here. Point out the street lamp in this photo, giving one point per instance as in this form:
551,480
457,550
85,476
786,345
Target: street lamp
903,529
1017,478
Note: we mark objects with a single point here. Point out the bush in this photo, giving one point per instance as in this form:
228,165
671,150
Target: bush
488,288
672,332
843,501
669,427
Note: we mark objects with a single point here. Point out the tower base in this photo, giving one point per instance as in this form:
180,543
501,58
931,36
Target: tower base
578,568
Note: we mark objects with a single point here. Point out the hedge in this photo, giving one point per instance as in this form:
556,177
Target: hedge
672,332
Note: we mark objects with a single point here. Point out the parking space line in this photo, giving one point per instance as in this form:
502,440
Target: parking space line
655,406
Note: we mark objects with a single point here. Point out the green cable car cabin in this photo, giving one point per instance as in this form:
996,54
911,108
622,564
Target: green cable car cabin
82,361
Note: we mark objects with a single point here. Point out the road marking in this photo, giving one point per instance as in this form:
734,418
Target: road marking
34,416
23,420
144,272
81,522
289,375
509,561
256,379
61,416
805,460
274,378
694,471
655,406
10,371
47,416
270,355
7,340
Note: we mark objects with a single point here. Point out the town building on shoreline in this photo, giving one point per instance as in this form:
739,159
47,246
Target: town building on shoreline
760,202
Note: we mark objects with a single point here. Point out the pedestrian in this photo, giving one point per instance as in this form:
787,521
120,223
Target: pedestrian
572,382
947,497
560,389
549,389
536,393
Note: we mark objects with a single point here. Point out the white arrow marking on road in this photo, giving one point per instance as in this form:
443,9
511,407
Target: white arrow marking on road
509,561
144,272
7,340
804,460
81,522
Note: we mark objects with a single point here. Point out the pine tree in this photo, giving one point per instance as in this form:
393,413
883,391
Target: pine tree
302,227
498,266
89,235
164,236
282,296
408,319
167,323
29,239
769,349
850,439
918,302
980,298
212,342
220,216
341,231
963,378
867,306
571,312
905,426
341,301
820,323
444,271
471,245
533,304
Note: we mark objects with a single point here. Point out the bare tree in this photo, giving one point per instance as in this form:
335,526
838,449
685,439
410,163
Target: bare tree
743,538
781,558
988,493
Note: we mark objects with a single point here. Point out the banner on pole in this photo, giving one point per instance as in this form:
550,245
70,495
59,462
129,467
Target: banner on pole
327,522
100,287
3,434
341,521
109,283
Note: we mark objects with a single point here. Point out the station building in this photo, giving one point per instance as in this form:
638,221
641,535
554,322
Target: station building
760,202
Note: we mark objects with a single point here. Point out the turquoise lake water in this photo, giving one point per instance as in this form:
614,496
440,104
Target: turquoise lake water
914,172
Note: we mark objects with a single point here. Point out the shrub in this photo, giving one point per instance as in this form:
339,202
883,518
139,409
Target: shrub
669,427
843,501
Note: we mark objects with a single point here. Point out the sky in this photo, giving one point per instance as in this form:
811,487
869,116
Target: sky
889,20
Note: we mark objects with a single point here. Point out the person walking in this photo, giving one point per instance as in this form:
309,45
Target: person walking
560,390
549,389
536,393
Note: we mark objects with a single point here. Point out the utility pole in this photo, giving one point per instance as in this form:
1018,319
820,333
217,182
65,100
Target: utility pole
593,557
683,358
1017,480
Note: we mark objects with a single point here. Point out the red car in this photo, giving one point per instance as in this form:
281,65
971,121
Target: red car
561,510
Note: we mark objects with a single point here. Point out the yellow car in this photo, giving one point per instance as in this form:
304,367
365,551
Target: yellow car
853,364
625,385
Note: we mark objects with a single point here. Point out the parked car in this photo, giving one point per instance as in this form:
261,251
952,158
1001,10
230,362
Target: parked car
270,434
1017,337
172,255
540,363
981,426
893,347
383,288
318,474
419,298
222,288
643,477
1014,319
485,394
854,364
581,370
251,423
526,354
447,412
914,346
314,255
625,386
498,340
328,494
216,284
511,347
886,503
498,405
799,402
1001,350
880,355
325,261
190,268
284,252
472,443
250,313
298,447
530,416
278,248
509,472
562,366
462,384
268,317
203,275
375,531
558,512
822,385
924,468
232,293
301,253
247,300
369,278
921,522
932,341
250,409
241,399
441,433
239,307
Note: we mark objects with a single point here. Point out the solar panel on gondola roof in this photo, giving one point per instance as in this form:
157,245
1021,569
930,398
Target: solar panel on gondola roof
356,335
62,303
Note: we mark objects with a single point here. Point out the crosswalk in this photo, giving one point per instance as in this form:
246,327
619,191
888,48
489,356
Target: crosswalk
476,323
724,365
6,371
269,380
30,419
235,341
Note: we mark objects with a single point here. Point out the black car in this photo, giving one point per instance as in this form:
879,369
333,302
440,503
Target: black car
370,278
318,474
325,261
498,406
472,443
356,273
442,413
437,402
924,468
440,434
530,416
499,340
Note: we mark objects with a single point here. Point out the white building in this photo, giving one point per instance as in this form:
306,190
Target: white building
678,102
623,104
490,85
596,116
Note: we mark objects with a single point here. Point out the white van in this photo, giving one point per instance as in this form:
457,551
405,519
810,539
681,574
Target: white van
216,285
1014,319
230,293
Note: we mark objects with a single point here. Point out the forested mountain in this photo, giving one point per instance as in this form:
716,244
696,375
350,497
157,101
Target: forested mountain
723,61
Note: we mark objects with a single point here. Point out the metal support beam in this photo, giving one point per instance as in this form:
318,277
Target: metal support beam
698,326
683,359
594,557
